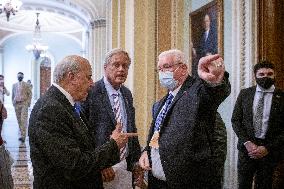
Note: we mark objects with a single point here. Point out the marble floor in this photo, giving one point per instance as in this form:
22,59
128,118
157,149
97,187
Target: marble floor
22,171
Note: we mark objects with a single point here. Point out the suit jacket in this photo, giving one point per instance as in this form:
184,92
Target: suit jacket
185,143
27,93
98,110
63,152
208,46
242,120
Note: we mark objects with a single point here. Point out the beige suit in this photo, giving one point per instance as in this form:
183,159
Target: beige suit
21,98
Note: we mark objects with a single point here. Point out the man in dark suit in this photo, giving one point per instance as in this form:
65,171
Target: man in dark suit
179,148
64,153
208,42
258,122
100,108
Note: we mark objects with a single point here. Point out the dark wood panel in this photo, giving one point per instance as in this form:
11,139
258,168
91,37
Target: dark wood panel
271,35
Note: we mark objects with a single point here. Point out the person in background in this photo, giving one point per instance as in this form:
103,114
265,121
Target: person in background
30,83
21,99
179,149
3,91
64,153
109,102
258,122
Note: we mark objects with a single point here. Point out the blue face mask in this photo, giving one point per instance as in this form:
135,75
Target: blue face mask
167,80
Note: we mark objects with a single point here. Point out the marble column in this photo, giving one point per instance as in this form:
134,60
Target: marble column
98,40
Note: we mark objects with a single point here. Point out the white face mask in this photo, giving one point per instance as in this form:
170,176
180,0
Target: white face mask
167,80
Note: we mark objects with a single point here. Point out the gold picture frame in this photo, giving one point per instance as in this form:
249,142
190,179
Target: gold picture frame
203,43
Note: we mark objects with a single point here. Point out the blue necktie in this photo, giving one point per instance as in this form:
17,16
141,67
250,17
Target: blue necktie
77,108
163,112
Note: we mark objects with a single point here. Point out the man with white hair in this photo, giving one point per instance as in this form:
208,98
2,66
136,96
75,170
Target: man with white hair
63,151
108,103
179,149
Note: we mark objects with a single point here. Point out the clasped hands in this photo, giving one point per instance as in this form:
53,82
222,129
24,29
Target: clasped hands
255,151
211,68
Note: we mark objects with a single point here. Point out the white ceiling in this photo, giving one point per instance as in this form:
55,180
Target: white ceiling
66,16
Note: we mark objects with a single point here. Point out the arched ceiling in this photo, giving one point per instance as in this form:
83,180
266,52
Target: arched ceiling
66,16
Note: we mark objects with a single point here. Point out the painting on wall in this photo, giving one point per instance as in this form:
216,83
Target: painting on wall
206,32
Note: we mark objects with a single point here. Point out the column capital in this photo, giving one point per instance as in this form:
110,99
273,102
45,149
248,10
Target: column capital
98,23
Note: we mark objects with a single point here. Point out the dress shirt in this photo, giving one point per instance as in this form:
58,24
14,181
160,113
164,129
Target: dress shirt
206,34
110,91
267,107
68,96
157,168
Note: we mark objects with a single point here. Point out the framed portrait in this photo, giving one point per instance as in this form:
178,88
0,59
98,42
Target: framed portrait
206,32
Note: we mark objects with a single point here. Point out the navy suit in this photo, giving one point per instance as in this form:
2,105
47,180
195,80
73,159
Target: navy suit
186,135
98,110
242,122
63,151
210,45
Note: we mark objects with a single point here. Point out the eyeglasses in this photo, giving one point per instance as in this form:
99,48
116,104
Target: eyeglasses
167,67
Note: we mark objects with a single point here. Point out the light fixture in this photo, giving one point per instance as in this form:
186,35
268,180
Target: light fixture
10,7
36,46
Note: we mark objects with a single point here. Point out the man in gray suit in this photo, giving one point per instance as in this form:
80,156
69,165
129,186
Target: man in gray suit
21,99
101,110
64,153
179,149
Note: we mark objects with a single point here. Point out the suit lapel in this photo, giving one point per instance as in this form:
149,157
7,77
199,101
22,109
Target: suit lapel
249,103
127,106
105,101
183,90
274,105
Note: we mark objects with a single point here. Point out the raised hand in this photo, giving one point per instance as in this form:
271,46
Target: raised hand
211,69
121,138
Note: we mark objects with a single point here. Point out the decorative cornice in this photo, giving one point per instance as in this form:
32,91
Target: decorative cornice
98,23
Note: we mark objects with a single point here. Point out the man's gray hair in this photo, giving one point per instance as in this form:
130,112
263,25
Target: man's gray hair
178,55
116,51
68,64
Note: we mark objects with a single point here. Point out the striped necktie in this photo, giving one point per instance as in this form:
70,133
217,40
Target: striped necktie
163,112
118,118
116,108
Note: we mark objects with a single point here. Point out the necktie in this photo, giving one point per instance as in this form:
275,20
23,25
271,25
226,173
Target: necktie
163,112
116,108
118,118
77,109
258,116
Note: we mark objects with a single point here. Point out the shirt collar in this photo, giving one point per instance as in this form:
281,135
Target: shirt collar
269,90
109,88
66,94
174,92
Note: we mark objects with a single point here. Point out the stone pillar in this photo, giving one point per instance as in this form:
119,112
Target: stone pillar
99,47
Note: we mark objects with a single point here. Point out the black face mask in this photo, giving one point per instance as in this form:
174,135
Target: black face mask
20,78
265,82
